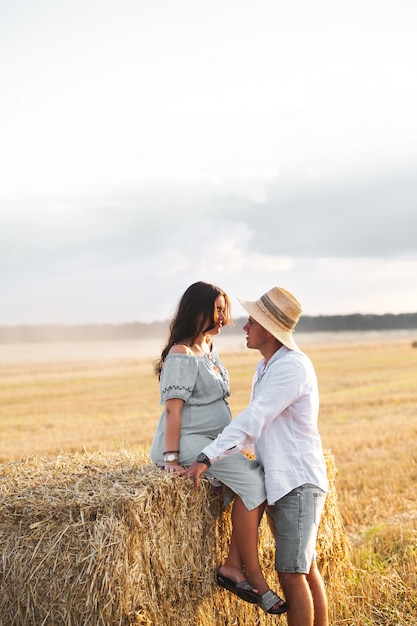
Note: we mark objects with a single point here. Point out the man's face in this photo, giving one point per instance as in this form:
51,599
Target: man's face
256,335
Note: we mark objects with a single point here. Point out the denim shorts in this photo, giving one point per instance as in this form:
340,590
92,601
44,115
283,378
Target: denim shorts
294,520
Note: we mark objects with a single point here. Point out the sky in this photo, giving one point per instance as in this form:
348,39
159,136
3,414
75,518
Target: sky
148,145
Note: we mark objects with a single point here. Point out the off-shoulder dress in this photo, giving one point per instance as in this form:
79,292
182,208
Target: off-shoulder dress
202,382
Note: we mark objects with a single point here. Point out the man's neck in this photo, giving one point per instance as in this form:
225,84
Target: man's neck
268,350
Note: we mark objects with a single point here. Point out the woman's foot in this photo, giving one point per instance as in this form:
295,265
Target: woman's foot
234,581
232,573
270,602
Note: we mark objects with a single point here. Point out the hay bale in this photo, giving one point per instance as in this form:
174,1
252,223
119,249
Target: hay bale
334,554
108,539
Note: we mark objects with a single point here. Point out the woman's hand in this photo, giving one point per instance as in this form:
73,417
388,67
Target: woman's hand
172,467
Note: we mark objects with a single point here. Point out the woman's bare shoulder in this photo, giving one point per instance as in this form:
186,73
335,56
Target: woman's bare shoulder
180,348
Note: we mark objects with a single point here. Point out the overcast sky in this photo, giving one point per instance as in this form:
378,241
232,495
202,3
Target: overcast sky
145,145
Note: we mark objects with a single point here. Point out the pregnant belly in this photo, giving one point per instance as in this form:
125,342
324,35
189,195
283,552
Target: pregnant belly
207,420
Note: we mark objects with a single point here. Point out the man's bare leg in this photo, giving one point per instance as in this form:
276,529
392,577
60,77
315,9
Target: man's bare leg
306,597
298,596
318,591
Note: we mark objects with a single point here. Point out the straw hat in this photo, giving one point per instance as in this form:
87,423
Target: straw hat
278,311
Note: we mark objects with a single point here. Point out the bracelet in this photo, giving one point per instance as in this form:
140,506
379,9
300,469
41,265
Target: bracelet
170,456
171,451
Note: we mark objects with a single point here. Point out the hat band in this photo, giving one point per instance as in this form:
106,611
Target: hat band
277,313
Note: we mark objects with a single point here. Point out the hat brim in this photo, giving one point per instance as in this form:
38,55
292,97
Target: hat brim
284,336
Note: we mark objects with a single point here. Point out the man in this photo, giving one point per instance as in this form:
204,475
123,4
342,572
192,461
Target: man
281,422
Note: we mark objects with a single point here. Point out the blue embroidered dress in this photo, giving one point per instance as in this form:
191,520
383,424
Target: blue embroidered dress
202,382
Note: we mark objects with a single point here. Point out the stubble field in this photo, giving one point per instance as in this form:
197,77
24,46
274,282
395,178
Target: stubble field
368,420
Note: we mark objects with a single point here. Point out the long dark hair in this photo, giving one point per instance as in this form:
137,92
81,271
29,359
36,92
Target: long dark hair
196,314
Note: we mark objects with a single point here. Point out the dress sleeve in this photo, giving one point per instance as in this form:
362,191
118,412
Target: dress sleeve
178,377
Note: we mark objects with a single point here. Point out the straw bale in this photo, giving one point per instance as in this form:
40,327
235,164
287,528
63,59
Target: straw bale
108,539
334,556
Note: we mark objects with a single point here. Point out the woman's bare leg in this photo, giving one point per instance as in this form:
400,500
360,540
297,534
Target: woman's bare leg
243,559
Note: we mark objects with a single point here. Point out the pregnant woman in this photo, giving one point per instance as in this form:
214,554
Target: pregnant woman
194,389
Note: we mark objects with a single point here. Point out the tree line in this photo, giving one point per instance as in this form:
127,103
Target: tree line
139,330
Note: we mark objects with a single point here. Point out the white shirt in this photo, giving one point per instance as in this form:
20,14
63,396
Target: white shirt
281,420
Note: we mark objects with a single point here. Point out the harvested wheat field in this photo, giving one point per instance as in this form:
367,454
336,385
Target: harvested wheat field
85,517
111,539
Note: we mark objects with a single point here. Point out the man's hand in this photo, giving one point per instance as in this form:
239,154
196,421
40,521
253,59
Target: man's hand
194,471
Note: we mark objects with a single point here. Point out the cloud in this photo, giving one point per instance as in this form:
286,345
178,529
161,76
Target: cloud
205,225
362,217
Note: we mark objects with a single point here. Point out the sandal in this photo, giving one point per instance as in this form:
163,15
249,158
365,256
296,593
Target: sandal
268,599
243,590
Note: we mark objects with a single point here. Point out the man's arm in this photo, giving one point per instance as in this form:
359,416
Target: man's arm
282,389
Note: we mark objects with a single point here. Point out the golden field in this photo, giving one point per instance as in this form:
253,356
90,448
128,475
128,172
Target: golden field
368,420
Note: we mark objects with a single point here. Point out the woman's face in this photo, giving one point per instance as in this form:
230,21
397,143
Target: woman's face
219,315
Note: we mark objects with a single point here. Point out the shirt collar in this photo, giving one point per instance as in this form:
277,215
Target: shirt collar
262,366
